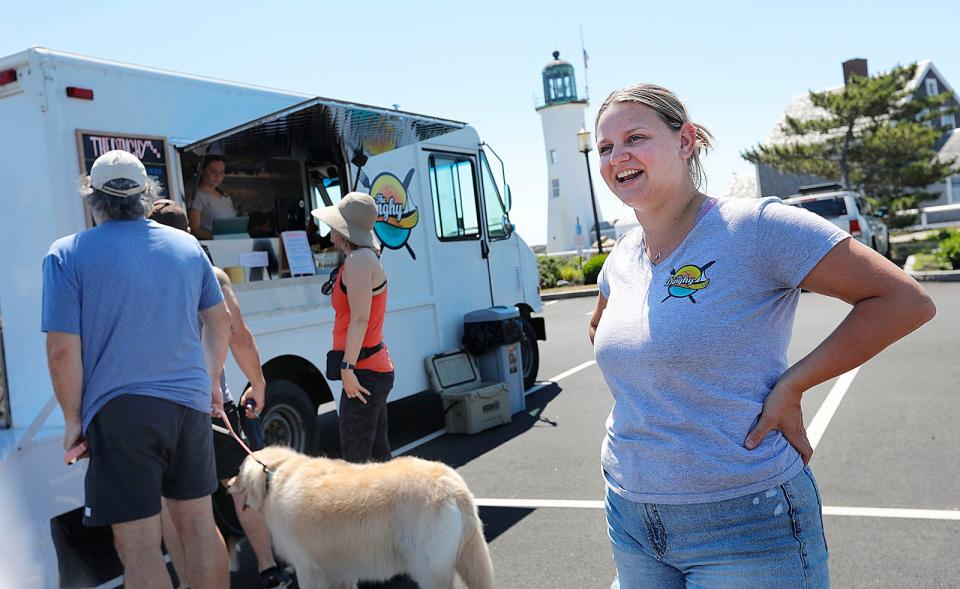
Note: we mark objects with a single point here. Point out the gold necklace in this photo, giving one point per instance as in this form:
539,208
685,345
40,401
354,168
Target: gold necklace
673,234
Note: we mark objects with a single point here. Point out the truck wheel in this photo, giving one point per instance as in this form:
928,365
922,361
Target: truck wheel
289,419
529,354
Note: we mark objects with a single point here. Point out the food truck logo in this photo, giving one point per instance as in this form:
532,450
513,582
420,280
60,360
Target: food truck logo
687,281
398,216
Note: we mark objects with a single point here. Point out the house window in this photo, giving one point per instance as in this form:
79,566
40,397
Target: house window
555,188
948,120
553,156
933,88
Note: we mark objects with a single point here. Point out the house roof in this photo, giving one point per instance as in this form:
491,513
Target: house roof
800,107
951,149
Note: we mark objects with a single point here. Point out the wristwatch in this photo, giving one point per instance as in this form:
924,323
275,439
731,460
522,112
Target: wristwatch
344,365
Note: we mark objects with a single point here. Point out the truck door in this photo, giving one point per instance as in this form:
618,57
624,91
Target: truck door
460,259
502,246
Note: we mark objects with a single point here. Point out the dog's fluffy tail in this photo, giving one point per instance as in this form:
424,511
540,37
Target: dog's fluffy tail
473,559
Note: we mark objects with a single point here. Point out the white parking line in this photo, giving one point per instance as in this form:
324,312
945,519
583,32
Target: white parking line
823,416
536,388
889,512
548,303
420,442
941,514
531,390
573,370
537,503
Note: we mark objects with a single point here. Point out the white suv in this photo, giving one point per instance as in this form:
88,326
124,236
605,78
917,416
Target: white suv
849,211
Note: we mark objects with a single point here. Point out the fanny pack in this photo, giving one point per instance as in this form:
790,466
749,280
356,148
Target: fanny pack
335,357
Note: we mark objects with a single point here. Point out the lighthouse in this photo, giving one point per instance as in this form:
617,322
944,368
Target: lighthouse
568,186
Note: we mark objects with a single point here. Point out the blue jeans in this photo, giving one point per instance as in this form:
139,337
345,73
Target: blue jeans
767,540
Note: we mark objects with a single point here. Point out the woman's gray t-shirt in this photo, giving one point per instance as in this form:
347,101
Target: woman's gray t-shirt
691,347
212,208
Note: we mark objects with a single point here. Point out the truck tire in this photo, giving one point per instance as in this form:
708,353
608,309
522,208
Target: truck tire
529,354
290,418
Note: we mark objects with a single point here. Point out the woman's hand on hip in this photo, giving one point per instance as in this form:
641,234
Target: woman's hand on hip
351,386
782,412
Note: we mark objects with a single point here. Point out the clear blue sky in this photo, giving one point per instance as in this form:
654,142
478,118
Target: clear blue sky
735,63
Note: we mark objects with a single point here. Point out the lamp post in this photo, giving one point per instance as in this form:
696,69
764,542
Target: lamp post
583,140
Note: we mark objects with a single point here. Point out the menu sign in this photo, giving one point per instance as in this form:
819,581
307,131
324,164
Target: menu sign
296,249
151,151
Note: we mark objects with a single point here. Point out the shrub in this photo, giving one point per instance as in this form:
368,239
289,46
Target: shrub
592,268
945,234
902,220
548,271
900,251
552,269
571,274
949,252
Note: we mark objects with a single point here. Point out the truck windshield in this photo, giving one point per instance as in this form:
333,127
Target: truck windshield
498,224
826,207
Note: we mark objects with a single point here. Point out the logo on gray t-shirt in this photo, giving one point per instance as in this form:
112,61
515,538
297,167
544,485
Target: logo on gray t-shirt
687,281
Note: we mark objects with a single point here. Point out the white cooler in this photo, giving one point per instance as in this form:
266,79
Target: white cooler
469,404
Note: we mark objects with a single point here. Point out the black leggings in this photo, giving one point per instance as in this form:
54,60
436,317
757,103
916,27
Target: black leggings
363,427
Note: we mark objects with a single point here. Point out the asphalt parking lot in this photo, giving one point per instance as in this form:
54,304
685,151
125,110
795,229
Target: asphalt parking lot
886,441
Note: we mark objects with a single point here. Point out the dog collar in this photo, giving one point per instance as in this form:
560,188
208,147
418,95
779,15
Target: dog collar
267,479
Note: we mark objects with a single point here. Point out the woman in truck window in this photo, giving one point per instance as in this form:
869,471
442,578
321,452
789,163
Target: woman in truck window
705,454
358,289
210,203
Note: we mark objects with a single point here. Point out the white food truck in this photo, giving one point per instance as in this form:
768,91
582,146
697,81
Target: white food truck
449,248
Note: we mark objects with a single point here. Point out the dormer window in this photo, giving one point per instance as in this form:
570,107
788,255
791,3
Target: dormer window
933,87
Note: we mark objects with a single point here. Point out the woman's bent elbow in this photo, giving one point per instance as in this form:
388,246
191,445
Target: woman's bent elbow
927,310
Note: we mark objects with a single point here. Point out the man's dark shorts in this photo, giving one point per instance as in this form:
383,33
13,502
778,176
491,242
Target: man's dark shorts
228,453
141,448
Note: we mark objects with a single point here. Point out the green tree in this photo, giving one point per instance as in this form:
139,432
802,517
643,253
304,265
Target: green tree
874,134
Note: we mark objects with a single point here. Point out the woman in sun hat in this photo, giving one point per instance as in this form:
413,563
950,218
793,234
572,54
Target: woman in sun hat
358,289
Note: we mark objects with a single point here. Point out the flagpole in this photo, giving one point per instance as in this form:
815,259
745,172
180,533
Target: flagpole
586,78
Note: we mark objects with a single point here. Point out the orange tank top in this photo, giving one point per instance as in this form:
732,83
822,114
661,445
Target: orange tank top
380,361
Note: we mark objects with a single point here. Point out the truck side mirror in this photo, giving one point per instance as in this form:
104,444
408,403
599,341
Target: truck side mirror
508,197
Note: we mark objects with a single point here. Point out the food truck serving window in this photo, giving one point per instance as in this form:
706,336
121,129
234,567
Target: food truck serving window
284,164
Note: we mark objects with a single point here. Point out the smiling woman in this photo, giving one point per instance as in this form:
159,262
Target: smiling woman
690,329
671,113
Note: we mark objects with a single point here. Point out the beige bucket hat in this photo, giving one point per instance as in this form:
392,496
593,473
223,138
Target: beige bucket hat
353,217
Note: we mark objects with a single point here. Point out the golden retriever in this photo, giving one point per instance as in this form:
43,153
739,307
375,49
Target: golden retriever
338,522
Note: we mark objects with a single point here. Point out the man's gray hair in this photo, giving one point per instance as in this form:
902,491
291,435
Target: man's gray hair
119,208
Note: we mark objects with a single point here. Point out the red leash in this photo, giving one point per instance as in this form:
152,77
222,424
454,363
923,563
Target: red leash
226,420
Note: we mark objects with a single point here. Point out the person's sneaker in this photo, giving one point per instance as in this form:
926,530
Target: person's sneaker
275,578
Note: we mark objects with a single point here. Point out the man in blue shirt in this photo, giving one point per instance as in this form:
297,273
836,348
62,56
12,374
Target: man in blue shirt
133,376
